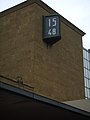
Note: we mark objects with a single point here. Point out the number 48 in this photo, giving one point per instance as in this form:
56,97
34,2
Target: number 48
52,31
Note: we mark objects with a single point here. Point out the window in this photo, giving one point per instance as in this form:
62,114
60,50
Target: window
86,64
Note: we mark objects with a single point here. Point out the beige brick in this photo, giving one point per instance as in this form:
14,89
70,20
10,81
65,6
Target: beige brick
55,71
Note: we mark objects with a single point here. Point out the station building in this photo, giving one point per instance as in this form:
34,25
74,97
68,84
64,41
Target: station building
55,71
30,66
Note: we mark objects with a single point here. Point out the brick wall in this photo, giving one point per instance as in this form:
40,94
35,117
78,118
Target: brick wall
55,71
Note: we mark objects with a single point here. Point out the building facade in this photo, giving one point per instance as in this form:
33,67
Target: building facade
86,62
26,61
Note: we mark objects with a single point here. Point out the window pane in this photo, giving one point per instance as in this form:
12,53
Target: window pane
88,64
88,74
88,83
84,72
85,92
85,81
88,92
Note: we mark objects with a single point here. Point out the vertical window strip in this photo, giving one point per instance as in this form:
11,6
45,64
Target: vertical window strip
86,64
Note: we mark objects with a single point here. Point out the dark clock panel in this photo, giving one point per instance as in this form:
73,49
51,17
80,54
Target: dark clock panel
51,28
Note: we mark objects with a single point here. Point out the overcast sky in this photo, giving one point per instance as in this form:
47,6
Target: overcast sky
76,11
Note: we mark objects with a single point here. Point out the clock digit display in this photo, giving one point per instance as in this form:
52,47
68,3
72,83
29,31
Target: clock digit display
54,20
51,27
49,32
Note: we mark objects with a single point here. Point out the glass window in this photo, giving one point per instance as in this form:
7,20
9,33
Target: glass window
89,75
86,64
86,73
88,83
88,93
85,81
85,92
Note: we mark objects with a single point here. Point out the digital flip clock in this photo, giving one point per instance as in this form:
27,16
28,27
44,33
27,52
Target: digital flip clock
51,29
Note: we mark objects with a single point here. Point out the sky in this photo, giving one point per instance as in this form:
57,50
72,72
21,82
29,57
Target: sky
75,11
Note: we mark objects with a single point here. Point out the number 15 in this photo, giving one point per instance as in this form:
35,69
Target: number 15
54,22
